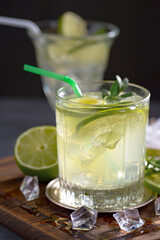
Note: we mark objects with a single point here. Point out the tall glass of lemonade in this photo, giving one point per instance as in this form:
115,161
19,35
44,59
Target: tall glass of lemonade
101,146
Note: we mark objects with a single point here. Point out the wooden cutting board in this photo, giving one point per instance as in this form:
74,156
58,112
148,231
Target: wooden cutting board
42,220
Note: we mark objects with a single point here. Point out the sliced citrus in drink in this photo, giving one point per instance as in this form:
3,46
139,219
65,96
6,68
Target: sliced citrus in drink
95,51
79,50
153,182
71,24
36,152
114,113
66,51
89,100
109,126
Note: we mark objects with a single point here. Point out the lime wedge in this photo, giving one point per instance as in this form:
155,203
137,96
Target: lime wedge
76,51
36,152
71,24
153,182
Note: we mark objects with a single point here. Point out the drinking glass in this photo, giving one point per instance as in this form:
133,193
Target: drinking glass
101,147
82,58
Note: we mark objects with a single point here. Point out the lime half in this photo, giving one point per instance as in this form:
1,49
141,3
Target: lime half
36,152
71,24
153,182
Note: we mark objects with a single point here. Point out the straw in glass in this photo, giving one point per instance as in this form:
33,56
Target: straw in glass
57,76
21,23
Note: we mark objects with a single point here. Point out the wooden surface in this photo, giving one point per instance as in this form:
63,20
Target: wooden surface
42,220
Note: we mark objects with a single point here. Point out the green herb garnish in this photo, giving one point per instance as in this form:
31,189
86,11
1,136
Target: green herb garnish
116,89
152,165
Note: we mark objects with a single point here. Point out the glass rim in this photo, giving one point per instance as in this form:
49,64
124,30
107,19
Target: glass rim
111,34
122,105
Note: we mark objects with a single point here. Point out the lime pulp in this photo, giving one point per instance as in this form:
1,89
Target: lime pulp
36,152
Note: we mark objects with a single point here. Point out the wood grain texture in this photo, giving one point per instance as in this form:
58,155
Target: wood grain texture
42,220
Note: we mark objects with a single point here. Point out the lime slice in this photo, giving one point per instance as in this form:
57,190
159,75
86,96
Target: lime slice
36,152
69,52
109,126
71,24
91,52
136,115
153,182
92,118
81,51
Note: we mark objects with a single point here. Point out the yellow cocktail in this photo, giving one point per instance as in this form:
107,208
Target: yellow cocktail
101,147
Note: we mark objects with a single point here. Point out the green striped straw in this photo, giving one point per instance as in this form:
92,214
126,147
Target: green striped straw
57,76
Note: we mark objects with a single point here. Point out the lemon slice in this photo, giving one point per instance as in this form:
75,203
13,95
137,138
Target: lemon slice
153,182
71,24
89,100
36,152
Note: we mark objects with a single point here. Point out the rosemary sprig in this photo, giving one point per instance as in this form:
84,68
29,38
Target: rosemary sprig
116,89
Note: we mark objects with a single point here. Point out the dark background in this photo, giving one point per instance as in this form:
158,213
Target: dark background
135,54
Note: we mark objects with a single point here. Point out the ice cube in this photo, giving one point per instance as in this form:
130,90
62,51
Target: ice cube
128,219
92,147
107,139
30,187
86,151
157,206
83,218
